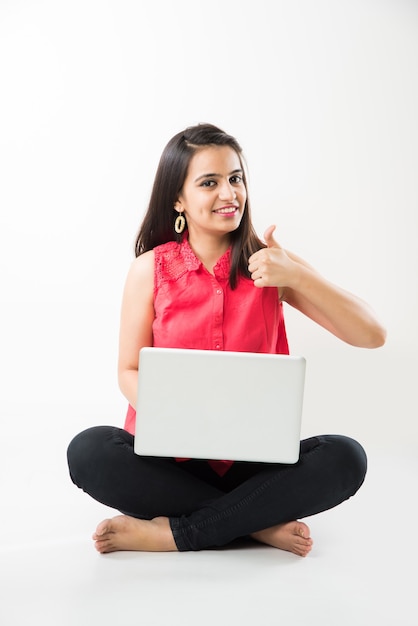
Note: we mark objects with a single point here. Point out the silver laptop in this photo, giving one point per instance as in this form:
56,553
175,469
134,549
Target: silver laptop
206,404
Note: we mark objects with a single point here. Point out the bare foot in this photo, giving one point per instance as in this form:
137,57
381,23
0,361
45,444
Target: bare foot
129,533
292,536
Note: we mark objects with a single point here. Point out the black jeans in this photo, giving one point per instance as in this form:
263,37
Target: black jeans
204,509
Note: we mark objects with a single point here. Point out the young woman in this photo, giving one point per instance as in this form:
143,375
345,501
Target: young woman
202,279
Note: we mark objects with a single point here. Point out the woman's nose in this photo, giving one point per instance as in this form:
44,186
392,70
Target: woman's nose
226,191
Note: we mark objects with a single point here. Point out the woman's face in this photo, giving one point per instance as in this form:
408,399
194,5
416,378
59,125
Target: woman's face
213,195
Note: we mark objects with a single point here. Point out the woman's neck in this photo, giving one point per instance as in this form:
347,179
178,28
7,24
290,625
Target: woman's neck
209,249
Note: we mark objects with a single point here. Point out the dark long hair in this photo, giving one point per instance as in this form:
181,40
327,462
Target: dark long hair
158,224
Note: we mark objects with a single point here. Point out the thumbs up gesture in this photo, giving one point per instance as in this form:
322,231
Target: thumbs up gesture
269,239
271,266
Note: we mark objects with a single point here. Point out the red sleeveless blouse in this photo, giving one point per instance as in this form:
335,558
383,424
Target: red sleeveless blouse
197,310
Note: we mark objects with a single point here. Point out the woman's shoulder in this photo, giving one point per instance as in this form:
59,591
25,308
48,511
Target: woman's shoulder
164,262
140,278
171,248
142,267
172,260
144,260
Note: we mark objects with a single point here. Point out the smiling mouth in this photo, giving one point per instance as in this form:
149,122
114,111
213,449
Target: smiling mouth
227,210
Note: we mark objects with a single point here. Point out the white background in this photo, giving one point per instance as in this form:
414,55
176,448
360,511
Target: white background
323,97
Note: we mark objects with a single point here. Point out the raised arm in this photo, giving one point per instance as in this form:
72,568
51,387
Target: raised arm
137,316
346,316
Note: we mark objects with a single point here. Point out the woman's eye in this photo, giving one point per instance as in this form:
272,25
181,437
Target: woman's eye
208,183
236,179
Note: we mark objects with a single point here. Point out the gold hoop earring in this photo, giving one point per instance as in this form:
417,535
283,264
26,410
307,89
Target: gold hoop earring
180,223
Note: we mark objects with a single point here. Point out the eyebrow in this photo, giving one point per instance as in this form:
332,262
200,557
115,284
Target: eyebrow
214,175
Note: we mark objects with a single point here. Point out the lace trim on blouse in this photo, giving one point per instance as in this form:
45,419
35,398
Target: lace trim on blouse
173,260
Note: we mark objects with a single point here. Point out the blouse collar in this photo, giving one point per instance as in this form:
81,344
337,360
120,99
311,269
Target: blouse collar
221,267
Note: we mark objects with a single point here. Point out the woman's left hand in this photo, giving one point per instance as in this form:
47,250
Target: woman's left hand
272,266
343,314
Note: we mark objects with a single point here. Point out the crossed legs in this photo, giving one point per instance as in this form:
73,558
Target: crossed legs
186,506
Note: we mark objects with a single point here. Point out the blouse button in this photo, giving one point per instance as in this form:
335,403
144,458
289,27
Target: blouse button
219,291
218,347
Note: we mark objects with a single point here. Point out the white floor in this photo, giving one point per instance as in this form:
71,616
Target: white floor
362,570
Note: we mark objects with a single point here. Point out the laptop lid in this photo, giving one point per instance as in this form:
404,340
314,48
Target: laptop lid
219,405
